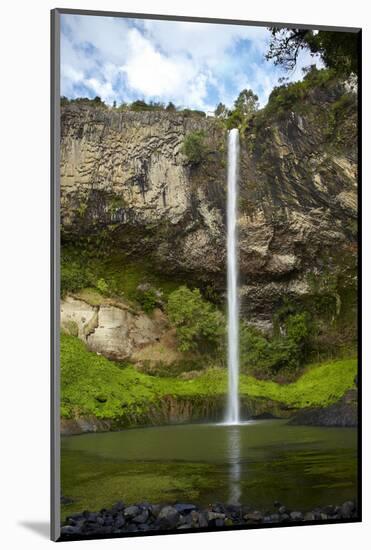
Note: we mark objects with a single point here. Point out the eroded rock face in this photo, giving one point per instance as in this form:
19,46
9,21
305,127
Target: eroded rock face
126,170
115,332
125,173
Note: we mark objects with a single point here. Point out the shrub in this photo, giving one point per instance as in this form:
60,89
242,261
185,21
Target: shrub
297,328
234,120
96,102
74,277
141,105
221,111
147,299
194,147
253,347
245,106
288,352
291,95
102,286
193,113
123,106
170,107
199,325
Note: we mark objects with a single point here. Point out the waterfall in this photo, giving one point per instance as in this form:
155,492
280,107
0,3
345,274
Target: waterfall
233,412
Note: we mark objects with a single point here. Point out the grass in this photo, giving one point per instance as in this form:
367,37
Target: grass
93,385
320,385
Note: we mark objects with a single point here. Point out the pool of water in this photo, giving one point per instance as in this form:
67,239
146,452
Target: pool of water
255,463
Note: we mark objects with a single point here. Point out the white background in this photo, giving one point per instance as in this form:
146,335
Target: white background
24,271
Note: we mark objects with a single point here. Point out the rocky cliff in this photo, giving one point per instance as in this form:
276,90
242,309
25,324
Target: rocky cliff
124,175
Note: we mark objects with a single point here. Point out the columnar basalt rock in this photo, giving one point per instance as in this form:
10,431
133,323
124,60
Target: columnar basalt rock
125,173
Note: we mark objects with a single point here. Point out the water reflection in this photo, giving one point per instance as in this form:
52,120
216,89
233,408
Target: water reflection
234,456
256,462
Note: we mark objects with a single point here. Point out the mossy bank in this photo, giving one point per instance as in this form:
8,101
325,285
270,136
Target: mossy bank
98,394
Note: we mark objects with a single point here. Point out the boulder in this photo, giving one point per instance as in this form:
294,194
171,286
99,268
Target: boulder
169,517
115,331
343,413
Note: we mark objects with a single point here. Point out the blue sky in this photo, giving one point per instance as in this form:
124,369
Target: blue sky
193,65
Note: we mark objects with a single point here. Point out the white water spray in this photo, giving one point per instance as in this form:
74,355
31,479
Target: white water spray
233,407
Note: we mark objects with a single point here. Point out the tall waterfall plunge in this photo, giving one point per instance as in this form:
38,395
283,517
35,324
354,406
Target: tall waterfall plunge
233,407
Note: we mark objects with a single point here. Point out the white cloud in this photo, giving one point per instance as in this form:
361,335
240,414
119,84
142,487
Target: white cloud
191,64
150,72
204,42
101,89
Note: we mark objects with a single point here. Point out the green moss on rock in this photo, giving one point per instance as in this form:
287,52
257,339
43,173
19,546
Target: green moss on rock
93,385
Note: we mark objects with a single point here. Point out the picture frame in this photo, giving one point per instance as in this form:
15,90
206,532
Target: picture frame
355,239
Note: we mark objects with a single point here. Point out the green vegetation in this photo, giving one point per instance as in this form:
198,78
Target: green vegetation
148,299
139,105
282,353
102,286
188,367
111,275
245,106
318,327
289,96
340,116
319,386
193,113
338,50
198,323
194,147
93,385
221,111
96,102
74,276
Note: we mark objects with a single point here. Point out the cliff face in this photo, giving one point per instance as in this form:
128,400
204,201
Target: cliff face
124,174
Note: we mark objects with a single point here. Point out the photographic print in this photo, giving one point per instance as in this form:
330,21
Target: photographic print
205,370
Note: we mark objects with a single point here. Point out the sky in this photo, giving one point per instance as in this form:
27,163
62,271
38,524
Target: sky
194,65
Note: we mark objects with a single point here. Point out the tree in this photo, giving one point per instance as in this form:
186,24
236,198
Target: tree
221,111
199,325
139,105
245,106
338,50
246,103
170,107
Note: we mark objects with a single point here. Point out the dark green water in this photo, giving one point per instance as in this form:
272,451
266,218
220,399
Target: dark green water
255,463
